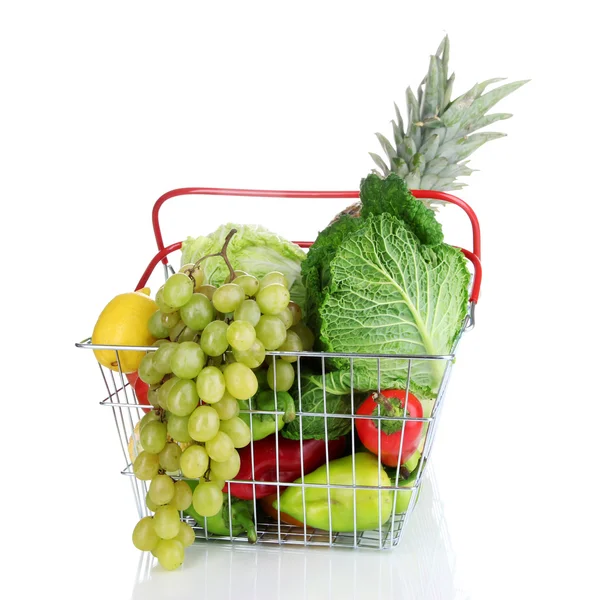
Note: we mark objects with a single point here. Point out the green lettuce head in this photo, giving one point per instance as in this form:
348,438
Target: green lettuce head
253,249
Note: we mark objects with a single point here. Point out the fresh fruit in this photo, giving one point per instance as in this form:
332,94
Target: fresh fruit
123,322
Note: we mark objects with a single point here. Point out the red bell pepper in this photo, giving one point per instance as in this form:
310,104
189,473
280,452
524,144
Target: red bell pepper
288,458
370,436
140,388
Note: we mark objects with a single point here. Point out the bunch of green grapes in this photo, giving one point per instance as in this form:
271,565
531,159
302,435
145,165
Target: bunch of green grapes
211,343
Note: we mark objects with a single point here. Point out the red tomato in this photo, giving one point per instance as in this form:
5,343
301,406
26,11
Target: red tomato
390,443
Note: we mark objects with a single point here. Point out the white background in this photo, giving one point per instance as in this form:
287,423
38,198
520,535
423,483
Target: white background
107,105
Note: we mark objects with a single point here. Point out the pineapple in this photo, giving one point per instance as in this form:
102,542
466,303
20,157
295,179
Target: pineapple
429,154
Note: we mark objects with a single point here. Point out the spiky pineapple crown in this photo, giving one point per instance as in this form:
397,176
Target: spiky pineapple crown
429,153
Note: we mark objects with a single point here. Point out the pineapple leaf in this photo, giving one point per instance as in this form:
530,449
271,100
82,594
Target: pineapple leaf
410,149
413,180
445,59
448,91
431,101
400,121
429,148
481,105
378,160
398,135
418,163
459,149
456,111
400,167
428,181
456,170
385,144
486,120
437,165
413,110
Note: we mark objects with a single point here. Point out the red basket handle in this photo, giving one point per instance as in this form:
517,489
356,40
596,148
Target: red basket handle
473,256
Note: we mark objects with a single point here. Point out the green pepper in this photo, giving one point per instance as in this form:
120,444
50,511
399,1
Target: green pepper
241,512
406,479
342,500
266,424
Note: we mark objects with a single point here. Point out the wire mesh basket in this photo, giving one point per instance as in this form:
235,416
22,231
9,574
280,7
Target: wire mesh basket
390,496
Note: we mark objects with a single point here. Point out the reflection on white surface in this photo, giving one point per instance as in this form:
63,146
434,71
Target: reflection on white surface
422,567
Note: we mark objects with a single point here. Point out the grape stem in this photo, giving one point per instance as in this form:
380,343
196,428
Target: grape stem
222,253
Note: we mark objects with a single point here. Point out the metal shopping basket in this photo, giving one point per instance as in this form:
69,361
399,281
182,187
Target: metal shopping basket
127,410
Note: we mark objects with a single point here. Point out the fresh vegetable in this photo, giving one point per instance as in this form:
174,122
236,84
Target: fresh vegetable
390,403
241,512
380,288
335,400
279,461
123,322
267,506
141,388
254,250
265,424
342,505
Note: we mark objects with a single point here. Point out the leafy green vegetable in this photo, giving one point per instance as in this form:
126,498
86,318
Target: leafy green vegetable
391,195
253,249
385,283
389,294
336,400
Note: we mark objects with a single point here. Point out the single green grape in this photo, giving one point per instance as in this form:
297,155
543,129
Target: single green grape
162,357
156,326
178,290
146,465
164,391
208,499
170,554
147,372
195,272
305,334
227,469
194,461
153,436
253,357
204,423
152,415
211,385
237,273
183,495
240,335
280,376
161,489
162,304
271,331
220,447
170,457
249,284
183,398
176,331
241,382
186,534
207,290
152,394
188,335
273,277
198,312
178,428
292,343
170,320
187,360
285,315
248,311
166,521
273,298
228,297
237,430
213,339
227,407
152,506
144,536
297,313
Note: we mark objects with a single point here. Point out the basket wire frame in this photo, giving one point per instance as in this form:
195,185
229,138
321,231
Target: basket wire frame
127,412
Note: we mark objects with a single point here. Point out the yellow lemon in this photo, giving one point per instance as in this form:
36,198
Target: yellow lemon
123,322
